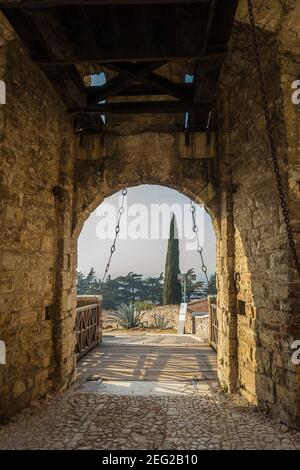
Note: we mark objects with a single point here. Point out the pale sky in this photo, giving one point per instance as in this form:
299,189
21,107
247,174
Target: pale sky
144,256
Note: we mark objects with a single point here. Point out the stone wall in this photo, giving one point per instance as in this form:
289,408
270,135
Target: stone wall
169,313
258,308
131,159
196,325
193,324
200,327
36,139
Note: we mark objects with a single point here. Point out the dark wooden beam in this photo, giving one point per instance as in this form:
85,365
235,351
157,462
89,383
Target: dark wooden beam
48,27
106,34
223,21
211,56
210,23
155,81
67,82
66,79
119,83
141,107
58,39
136,89
167,86
26,4
202,84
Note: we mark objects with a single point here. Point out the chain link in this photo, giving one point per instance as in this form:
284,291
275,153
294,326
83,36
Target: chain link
117,231
283,204
196,232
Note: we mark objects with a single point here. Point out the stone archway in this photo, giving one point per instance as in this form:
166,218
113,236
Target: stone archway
51,180
153,159
141,158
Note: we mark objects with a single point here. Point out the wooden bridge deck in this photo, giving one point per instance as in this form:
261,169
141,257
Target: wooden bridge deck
150,357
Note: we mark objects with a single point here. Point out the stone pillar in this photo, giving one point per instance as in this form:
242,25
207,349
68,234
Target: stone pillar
226,299
64,309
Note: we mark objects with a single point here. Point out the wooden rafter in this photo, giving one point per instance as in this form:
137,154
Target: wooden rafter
40,34
153,80
136,89
206,73
106,34
200,70
120,82
218,54
141,107
133,38
30,4
210,23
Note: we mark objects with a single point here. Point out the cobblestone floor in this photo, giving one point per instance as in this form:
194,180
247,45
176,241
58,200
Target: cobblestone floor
198,420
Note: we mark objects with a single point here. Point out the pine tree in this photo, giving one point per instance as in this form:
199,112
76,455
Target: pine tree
81,283
91,281
212,287
172,289
194,288
153,289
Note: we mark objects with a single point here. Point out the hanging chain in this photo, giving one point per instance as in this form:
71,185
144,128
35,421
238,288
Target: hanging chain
117,231
196,232
274,155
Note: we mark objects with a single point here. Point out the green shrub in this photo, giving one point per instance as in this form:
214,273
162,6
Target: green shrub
160,320
127,316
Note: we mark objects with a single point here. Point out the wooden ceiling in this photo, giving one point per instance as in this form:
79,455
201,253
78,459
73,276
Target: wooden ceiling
133,39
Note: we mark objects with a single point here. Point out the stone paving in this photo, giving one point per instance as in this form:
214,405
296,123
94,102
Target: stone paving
144,414
202,418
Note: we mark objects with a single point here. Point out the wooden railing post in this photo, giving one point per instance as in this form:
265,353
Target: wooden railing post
100,321
212,322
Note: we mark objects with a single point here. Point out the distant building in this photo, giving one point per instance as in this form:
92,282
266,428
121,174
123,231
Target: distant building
197,318
198,306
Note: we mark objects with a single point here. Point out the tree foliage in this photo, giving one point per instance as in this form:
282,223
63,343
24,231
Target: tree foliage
172,288
212,285
123,289
137,289
194,289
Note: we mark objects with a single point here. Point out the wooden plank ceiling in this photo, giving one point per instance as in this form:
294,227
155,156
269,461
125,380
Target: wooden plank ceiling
131,40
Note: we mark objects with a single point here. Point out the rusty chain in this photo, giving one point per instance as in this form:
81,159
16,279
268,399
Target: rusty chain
117,231
196,232
290,235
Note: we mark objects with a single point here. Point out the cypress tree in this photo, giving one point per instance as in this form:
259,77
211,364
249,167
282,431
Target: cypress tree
172,289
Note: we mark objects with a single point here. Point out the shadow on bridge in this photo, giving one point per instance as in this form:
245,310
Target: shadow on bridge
150,357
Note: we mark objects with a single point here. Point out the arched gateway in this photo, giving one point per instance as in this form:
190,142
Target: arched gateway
54,174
